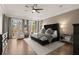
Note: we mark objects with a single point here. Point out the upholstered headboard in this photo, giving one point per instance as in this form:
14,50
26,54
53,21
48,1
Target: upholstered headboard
54,27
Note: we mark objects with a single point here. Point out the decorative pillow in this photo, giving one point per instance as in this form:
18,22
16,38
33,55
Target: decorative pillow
43,38
49,31
54,34
43,31
49,37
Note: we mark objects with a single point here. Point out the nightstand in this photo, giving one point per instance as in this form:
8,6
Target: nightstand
66,38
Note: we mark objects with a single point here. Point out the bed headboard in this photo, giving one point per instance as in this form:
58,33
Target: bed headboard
54,27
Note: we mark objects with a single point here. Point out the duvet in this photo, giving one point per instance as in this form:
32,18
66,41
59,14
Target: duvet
43,37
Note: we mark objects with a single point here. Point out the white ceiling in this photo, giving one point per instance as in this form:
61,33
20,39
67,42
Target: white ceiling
50,10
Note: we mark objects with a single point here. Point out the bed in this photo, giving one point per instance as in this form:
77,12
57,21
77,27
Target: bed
37,36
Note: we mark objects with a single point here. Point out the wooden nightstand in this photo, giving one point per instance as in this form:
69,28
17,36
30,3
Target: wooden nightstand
66,38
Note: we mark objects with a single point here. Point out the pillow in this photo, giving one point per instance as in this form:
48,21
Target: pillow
49,31
43,38
54,34
49,37
43,31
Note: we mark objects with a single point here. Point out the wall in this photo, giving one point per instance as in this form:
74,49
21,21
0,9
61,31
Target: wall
0,23
1,19
5,24
65,20
0,33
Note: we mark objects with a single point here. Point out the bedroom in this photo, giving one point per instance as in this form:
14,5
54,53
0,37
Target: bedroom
22,28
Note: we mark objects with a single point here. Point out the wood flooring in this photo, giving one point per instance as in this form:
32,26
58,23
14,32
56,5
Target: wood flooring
20,47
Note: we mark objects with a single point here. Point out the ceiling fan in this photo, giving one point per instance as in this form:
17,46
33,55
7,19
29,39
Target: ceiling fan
35,8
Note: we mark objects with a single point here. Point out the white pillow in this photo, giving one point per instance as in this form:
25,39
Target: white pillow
49,31
43,38
54,34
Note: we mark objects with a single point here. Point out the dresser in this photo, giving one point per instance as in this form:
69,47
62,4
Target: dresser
76,39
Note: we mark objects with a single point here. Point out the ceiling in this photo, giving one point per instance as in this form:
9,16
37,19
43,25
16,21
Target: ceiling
50,10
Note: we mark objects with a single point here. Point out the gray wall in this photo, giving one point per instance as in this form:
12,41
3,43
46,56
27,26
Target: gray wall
5,24
65,20
1,18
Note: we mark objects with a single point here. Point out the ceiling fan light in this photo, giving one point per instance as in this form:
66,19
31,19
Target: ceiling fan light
33,11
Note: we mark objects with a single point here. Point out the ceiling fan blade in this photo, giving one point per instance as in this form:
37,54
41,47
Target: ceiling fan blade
37,11
33,7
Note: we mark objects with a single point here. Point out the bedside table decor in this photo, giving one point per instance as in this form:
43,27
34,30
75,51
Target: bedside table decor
66,38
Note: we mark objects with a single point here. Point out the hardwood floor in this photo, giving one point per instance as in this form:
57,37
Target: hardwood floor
19,47
67,49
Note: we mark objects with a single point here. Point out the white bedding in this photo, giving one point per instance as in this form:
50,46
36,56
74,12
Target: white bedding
37,35
42,36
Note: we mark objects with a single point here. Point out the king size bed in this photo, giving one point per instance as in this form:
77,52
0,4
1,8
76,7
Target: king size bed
50,35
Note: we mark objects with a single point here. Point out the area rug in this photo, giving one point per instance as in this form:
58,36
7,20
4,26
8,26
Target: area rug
43,50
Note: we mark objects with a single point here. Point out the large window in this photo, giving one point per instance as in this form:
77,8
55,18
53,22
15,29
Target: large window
16,27
35,26
32,27
23,27
40,25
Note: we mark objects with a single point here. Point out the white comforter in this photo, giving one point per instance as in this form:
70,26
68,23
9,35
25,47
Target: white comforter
42,36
